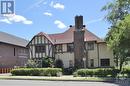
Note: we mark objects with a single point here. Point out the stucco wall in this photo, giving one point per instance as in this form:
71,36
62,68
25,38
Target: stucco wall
105,52
65,57
93,54
100,51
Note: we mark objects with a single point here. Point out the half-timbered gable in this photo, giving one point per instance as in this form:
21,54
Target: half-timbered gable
40,46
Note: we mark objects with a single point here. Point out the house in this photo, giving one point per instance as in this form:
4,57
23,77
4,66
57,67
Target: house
76,47
13,51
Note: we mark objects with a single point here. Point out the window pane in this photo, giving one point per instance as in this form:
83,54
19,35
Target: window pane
105,62
70,47
40,49
90,46
59,48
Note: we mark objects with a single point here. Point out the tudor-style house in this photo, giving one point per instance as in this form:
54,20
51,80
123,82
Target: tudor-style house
76,47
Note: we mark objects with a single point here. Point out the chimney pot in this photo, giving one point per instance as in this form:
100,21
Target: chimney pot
70,25
84,25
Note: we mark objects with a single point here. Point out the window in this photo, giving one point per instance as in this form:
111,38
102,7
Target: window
70,63
22,51
59,48
14,51
92,62
105,62
90,46
39,39
70,47
40,49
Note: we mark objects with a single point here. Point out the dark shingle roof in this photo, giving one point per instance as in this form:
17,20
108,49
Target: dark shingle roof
11,39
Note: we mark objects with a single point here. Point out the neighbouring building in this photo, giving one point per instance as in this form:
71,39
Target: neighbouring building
13,51
76,47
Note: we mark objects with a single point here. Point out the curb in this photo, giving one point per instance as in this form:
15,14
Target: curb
40,79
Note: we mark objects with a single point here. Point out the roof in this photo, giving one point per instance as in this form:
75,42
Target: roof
46,35
11,39
67,36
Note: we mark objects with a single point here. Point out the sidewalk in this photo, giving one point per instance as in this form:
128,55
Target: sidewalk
5,74
125,82
53,78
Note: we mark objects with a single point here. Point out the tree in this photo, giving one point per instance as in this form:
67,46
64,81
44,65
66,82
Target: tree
118,39
116,10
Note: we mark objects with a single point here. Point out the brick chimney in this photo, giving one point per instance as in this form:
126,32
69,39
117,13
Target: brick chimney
79,47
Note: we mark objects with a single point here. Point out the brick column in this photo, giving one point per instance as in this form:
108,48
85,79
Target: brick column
79,46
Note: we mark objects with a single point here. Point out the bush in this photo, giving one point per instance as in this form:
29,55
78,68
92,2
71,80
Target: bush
68,71
36,71
99,72
58,63
85,72
31,64
126,71
47,62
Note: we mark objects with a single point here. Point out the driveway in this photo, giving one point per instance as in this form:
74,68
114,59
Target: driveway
52,83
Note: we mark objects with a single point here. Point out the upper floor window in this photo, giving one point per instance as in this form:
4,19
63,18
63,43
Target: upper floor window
59,48
40,49
70,47
39,40
90,45
105,62
23,51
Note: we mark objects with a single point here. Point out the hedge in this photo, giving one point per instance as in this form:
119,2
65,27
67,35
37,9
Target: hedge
98,72
36,71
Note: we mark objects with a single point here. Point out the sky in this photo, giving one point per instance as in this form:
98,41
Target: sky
54,16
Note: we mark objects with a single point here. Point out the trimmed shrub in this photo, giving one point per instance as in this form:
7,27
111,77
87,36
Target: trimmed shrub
36,71
21,71
85,72
99,72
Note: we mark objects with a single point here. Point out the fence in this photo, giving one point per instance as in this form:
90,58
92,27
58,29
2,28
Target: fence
5,70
